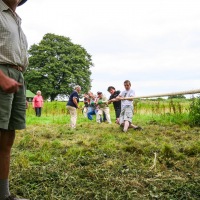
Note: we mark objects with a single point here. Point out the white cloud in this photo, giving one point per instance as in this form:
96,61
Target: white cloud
153,43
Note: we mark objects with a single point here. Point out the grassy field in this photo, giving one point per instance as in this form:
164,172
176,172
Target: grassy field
100,162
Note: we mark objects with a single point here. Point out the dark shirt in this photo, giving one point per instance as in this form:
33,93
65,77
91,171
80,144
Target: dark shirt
72,95
117,104
86,103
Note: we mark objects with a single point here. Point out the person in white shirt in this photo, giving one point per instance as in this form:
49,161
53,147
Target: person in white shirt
127,108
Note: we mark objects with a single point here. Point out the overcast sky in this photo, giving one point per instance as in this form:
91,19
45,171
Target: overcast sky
153,43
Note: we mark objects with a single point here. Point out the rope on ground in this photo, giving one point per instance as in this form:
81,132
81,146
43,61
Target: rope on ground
154,162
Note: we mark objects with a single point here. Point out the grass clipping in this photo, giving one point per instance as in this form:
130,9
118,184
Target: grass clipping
95,161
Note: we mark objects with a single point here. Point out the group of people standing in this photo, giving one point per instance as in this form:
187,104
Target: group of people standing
98,105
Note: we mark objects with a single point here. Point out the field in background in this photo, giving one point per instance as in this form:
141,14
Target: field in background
140,106
99,161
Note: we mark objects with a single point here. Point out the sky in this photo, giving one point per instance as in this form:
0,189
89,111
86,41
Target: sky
153,43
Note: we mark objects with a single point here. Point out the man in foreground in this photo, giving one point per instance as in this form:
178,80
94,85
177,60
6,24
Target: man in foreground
13,62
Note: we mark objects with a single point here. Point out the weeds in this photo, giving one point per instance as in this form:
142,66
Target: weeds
100,162
194,112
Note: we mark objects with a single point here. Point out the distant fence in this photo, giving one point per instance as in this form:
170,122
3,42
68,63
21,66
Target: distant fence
166,94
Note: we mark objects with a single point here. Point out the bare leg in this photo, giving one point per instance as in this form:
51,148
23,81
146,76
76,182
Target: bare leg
6,142
132,126
126,125
117,121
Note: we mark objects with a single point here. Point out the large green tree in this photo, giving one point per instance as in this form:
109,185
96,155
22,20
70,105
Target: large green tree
56,65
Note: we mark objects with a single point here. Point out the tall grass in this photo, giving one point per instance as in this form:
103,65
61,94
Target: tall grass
194,112
146,112
100,162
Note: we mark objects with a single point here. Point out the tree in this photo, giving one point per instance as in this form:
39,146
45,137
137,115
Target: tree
56,65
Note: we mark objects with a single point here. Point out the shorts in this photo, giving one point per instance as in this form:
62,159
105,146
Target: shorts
126,115
13,105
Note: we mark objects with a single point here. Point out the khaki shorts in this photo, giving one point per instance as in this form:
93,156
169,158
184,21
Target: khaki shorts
126,115
13,106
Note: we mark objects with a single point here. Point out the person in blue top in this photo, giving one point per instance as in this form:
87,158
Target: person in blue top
72,105
91,106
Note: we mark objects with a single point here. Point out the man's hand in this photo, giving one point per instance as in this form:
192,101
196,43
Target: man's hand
109,101
8,85
114,99
118,98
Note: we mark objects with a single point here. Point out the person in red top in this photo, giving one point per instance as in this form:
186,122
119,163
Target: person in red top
38,103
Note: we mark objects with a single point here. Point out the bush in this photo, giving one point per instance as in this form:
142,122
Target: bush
194,112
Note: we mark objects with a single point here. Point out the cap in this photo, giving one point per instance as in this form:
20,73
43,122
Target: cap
99,92
22,2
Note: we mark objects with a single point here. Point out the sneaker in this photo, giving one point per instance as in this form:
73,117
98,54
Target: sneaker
11,197
138,128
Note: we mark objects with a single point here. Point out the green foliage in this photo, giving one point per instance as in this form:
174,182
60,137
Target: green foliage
180,96
162,107
194,112
57,65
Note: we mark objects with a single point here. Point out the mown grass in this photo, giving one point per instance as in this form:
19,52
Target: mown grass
98,161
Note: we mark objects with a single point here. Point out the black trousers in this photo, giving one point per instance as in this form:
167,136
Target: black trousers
38,111
117,112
